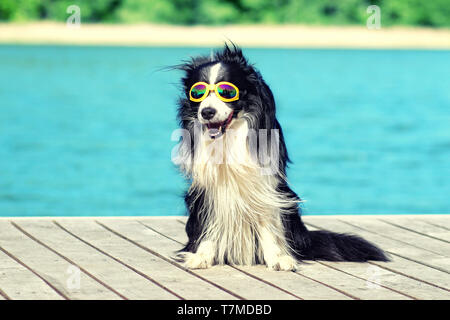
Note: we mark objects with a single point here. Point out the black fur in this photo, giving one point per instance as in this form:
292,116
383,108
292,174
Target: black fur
257,100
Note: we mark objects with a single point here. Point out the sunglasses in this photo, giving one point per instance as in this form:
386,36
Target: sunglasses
225,91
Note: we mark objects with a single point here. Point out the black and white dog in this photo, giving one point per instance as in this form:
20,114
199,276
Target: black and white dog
241,209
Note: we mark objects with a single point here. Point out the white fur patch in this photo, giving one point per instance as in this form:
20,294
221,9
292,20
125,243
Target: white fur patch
242,209
214,73
212,101
202,259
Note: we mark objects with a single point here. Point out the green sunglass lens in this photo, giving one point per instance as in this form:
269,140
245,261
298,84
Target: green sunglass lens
198,91
226,91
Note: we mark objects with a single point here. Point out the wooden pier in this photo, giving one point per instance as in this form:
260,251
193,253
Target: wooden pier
131,258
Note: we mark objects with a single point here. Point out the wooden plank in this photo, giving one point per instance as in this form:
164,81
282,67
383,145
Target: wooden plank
3,295
182,219
17,282
441,221
412,250
416,271
288,281
420,226
428,251
373,275
305,288
314,271
436,224
377,276
349,284
126,282
49,266
224,276
382,226
175,279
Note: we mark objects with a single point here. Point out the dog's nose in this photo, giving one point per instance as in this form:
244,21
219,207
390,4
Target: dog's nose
208,113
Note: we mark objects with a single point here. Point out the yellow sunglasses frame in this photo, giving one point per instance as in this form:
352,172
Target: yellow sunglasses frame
213,87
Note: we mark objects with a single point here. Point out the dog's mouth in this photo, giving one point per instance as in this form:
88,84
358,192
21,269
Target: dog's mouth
217,129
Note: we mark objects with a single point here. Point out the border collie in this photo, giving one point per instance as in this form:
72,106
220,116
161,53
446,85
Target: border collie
232,150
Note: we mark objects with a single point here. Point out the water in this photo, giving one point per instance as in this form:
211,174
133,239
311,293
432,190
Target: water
86,130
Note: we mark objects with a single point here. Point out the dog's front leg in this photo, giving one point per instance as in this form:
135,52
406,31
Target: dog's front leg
203,258
274,252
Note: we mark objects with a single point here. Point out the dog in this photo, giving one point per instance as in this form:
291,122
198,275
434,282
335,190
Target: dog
232,150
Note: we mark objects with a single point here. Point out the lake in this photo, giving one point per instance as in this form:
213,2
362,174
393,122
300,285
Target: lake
87,130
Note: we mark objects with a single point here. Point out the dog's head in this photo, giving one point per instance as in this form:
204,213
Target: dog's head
223,88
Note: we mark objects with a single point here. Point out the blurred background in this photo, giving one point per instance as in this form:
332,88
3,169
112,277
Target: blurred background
86,124
433,13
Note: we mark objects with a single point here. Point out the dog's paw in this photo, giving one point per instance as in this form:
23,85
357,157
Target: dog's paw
283,263
194,260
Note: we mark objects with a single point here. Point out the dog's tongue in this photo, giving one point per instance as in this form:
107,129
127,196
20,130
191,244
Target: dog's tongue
214,129
217,129
214,132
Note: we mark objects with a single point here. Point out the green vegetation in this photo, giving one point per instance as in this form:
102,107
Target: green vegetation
435,13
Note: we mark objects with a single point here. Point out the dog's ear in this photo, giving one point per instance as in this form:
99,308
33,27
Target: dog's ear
266,105
270,146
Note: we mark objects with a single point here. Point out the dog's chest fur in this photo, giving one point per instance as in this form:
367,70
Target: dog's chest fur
240,204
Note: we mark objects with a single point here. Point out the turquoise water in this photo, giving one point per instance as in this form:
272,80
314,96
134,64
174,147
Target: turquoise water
86,130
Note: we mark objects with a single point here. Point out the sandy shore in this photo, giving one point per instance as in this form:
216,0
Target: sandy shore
293,36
